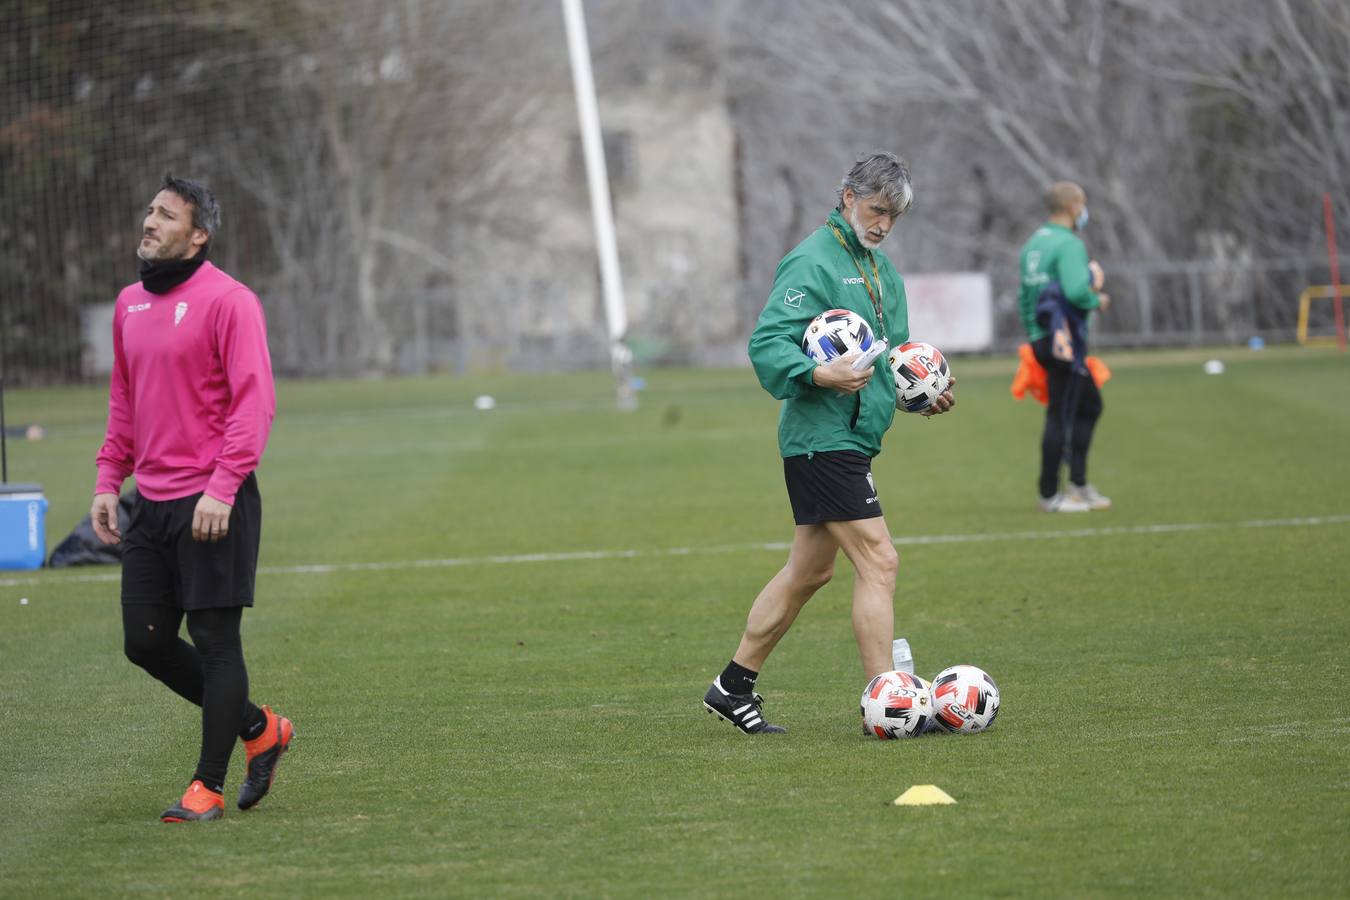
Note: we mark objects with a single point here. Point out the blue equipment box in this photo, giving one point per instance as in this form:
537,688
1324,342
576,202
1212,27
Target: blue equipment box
23,528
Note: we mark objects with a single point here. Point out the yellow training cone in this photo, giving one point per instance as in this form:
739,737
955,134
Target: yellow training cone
923,795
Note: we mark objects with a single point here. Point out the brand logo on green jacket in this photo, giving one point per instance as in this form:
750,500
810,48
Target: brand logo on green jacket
793,298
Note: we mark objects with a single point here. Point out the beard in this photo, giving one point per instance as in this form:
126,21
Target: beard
867,242
163,251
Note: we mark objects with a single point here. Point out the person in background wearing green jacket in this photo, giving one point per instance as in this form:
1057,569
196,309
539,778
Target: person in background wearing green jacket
1059,288
830,426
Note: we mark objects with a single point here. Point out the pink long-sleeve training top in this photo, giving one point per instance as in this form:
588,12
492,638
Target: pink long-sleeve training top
192,399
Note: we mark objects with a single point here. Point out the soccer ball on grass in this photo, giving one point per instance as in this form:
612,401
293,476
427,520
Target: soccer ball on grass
896,705
965,699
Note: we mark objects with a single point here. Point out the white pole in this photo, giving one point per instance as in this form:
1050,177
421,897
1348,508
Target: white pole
593,149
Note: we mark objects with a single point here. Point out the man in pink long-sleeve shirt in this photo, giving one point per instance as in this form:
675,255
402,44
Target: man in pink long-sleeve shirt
189,410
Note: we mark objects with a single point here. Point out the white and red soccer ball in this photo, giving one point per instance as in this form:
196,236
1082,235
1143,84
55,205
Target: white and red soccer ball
896,705
835,333
965,699
921,374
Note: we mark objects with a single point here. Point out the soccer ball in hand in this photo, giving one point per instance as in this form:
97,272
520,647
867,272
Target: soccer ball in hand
834,333
896,705
965,699
921,374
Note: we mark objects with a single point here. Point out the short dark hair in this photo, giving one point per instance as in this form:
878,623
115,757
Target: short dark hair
205,209
1061,195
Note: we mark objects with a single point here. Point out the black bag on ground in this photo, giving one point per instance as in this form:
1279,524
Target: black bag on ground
83,548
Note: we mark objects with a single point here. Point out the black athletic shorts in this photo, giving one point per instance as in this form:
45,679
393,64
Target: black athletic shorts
163,565
834,486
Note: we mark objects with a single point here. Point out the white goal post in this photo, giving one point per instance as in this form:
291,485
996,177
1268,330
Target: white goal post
592,145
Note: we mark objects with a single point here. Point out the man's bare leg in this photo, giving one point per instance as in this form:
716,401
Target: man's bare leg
867,544
809,566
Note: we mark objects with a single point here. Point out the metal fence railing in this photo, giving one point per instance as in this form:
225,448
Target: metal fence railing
1206,302
1198,303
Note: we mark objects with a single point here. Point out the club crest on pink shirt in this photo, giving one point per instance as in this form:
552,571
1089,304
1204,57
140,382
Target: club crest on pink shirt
178,312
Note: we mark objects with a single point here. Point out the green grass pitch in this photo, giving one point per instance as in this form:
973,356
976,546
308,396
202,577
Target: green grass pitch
506,701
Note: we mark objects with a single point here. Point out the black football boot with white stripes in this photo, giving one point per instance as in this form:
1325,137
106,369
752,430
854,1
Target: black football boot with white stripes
742,710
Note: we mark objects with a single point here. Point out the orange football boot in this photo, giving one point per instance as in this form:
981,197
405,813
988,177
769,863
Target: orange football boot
199,804
264,752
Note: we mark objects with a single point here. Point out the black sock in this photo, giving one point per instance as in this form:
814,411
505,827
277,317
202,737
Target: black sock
210,782
255,720
737,679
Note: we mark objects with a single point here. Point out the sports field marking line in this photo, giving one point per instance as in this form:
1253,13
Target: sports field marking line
481,444
777,546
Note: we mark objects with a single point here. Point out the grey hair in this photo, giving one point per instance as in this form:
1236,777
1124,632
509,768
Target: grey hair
880,173
205,209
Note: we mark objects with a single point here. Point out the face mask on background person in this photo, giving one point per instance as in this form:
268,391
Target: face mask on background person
1081,222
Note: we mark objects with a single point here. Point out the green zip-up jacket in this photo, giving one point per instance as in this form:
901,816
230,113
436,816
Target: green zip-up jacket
1053,253
820,274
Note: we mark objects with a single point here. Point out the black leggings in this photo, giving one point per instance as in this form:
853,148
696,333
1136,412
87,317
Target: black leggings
209,672
1075,405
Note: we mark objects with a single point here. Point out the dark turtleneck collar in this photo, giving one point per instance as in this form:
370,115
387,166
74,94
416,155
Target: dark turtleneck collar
162,277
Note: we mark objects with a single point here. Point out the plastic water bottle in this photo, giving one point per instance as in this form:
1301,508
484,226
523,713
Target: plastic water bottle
901,658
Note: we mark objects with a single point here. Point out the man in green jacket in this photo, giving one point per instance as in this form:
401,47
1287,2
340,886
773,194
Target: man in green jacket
1060,288
830,426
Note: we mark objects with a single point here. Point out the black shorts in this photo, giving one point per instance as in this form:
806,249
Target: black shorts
834,486
163,565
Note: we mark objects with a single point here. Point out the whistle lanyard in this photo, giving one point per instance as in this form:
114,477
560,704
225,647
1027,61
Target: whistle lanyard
875,298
